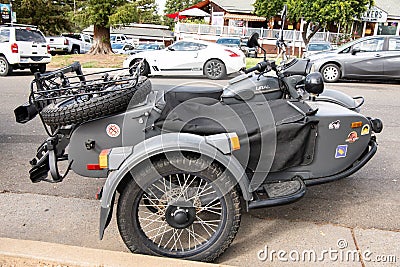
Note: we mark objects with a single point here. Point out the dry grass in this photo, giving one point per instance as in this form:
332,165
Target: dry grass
88,61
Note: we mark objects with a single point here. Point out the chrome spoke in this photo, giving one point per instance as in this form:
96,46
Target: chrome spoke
166,231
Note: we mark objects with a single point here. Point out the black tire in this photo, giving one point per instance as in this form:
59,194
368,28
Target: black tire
214,69
331,73
75,50
42,68
33,69
144,70
5,67
72,112
138,221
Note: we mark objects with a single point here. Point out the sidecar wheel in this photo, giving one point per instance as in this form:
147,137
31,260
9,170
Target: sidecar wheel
75,111
181,214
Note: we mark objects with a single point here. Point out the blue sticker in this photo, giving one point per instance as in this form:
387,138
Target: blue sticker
341,151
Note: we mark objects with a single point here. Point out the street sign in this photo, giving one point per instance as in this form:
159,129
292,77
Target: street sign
374,14
5,13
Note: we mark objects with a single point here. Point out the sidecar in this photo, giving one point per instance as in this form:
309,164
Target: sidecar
185,160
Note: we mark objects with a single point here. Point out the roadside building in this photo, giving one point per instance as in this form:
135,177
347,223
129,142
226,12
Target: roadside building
142,32
381,19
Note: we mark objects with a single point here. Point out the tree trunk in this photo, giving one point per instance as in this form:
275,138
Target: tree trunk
306,38
101,41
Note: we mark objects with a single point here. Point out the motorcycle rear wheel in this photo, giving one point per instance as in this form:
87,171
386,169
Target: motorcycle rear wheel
170,217
75,111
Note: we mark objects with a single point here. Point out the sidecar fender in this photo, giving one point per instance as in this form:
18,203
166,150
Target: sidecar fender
123,160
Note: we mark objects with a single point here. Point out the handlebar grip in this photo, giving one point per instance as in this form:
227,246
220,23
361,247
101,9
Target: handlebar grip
74,67
261,66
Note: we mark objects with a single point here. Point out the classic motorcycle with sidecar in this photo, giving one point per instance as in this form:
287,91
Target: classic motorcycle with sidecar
186,161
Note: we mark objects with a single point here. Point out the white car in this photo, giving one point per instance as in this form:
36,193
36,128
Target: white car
21,47
192,57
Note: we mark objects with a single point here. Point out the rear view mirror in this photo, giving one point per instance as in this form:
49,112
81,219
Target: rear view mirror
355,51
253,41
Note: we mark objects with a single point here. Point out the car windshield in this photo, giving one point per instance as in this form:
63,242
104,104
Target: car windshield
148,47
347,45
29,35
117,46
319,47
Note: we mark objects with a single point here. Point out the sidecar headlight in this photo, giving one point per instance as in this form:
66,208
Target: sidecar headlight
376,125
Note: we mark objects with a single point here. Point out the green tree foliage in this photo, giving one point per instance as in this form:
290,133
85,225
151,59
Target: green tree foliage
105,13
318,13
172,6
268,9
52,17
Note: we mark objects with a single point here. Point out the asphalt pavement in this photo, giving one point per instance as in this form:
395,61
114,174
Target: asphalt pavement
360,213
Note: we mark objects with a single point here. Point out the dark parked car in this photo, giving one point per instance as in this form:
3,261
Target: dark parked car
373,57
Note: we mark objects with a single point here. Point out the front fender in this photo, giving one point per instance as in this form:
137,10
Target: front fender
214,147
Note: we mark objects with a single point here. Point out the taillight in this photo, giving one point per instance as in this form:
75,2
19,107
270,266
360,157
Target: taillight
66,42
231,53
14,48
48,49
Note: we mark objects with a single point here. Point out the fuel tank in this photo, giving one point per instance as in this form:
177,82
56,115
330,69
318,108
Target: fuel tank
251,87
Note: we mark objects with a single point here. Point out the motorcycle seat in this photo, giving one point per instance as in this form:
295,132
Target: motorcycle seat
184,93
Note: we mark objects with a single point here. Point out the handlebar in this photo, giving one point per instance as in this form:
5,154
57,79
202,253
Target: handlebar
74,67
261,66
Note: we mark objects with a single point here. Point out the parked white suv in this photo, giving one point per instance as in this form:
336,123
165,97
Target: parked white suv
21,47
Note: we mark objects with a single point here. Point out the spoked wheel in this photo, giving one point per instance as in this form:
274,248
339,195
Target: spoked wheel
215,69
181,214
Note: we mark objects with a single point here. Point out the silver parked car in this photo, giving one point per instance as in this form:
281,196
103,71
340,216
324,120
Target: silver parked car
373,57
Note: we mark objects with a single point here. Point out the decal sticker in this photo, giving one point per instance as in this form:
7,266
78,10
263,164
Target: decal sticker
365,129
113,130
353,136
341,151
334,125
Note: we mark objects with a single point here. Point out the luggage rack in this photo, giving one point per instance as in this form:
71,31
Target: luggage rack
56,86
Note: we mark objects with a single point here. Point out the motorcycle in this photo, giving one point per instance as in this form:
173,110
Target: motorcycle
186,161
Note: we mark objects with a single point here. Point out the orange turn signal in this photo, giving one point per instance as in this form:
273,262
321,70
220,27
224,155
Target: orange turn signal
235,143
103,158
356,124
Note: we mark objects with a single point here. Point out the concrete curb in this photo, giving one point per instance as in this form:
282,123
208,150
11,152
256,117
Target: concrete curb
14,252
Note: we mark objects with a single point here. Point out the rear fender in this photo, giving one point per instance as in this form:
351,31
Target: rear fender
123,160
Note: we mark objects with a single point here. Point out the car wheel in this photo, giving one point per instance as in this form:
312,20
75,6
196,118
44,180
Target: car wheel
5,67
331,73
180,213
144,69
75,50
215,69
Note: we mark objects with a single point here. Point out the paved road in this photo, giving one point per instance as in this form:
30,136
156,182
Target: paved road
368,199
